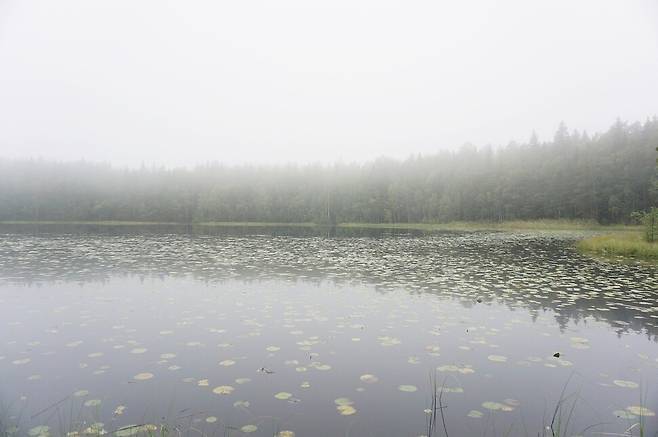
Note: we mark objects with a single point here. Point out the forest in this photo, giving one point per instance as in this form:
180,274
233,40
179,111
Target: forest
603,177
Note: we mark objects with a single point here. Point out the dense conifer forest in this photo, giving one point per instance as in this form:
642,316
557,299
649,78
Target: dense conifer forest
603,177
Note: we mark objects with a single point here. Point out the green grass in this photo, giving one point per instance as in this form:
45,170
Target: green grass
620,244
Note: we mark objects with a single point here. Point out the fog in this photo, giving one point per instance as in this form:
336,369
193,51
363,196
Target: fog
181,83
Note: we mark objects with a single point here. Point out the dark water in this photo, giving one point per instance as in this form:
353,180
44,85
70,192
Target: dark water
323,333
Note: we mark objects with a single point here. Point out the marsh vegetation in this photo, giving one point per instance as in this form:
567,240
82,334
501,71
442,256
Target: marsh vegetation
620,244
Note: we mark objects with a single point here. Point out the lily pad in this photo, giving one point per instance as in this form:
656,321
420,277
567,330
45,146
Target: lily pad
451,389
640,410
93,403
464,370
407,388
346,410
223,390
497,406
623,414
343,401
497,358
388,341
322,367
625,384
368,378
143,376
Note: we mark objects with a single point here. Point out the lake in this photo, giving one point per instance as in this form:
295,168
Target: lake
315,332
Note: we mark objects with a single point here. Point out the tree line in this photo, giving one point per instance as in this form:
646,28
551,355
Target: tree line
603,177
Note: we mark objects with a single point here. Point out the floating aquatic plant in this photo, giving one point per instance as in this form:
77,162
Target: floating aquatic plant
407,388
223,390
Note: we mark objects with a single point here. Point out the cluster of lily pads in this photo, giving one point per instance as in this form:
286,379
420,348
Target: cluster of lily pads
537,270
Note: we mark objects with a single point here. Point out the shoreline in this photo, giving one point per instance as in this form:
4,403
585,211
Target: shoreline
516,225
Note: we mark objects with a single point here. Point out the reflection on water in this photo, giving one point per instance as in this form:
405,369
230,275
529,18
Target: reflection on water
256,331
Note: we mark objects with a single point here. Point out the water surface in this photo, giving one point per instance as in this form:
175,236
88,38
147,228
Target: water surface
254,331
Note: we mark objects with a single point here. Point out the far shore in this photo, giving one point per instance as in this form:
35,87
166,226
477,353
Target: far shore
512,225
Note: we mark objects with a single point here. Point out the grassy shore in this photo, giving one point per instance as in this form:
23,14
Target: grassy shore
517,225
620,244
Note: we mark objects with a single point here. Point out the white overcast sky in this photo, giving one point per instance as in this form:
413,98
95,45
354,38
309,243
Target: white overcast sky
184,82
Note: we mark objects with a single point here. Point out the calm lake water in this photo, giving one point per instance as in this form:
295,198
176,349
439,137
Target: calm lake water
322,333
